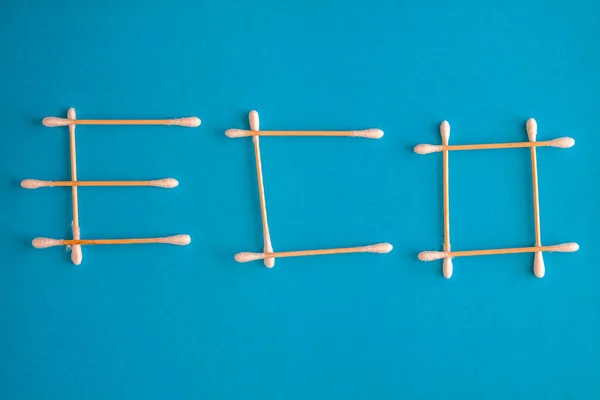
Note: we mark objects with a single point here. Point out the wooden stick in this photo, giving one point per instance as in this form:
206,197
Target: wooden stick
374,248
447,268
539,268
76,254
190,122
564,142
179,240
367,133
268,248
167,183
436,255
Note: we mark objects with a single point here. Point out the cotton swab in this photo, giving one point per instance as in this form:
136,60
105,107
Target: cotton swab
539,269
167,183
563,143
76,254
268,248
447,268
190,122
374,248
367,133
179,240
436,255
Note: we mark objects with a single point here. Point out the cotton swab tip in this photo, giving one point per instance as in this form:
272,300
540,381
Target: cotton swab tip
179,240
566,247
167,183
427,148
76,255
445,132
236,133
42,243
71,114
531,127
563,142
379,248
369,133
270,261
34,183
431,255
254,120
246,257
447,268
189,122
539,269
52,122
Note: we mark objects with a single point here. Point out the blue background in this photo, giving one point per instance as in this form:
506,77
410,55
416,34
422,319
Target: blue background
156,322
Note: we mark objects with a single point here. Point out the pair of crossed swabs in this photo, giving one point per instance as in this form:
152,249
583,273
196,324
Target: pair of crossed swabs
71,122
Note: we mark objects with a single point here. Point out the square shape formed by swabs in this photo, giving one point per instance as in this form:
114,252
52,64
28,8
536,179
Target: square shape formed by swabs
447,254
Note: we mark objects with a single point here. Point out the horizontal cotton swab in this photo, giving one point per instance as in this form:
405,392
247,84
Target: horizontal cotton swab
190,122
374,248
167,183
367,133
436,255
563,143
179,240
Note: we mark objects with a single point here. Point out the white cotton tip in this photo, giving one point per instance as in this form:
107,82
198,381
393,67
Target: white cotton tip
167,183
269,262
34,183
369,133
42,243
563,142
179,240
236,133
190,122
447,268
539,269
531,127
254,120
51,122
246,257
379,248
431,255
445,132
76,254
427,148
72,117
566,247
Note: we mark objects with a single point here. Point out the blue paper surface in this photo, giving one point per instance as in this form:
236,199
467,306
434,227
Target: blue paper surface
156,322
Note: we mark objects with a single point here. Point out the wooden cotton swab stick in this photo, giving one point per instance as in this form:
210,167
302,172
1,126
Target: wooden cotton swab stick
367,133
167,183
268,248
436,255
76,254
190,122
42,243
563,143
374,248
539,269
447,268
